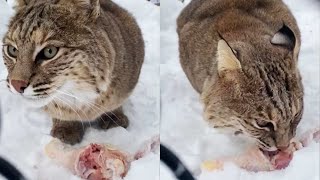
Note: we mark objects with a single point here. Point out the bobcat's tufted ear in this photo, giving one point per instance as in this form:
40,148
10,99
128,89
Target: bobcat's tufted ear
226,60
92,5
91,8
21,3
284,37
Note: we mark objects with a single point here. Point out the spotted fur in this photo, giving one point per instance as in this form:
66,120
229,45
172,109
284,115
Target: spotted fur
253,84
101,52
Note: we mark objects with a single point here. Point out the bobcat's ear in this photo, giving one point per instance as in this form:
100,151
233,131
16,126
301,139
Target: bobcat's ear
21,3
226,60
284,37
91,6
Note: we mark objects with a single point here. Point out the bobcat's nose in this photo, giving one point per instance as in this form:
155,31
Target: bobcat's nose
19,85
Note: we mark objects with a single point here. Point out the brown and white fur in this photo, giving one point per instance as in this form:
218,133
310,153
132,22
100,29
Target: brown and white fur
242,57
100,54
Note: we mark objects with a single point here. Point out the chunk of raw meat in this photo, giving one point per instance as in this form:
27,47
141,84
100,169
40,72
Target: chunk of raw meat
97,161
257,160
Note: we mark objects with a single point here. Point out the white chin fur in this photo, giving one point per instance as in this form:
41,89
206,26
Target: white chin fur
31,102
37,103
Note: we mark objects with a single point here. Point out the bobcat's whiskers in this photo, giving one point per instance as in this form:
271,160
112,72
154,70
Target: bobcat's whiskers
92,106
71,109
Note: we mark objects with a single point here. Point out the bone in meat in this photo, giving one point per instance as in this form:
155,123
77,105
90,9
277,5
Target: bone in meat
97,161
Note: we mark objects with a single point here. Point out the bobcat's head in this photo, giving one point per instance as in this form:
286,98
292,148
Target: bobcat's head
257,89
50,51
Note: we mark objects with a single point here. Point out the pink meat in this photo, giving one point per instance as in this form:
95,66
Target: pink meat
256,160
97,161
149,146
309,136
282,160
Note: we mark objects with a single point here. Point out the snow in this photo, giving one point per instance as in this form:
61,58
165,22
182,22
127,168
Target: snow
186,133
25,131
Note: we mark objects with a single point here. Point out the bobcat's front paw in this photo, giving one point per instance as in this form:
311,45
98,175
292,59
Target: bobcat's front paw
69,132
113,119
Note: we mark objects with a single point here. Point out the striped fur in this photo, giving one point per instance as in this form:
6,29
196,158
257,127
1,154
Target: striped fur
264,97
101,52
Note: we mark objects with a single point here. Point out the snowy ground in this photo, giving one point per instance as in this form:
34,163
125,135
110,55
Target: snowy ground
183,128
25,132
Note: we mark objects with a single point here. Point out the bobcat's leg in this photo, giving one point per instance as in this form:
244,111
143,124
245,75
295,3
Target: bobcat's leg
70,132
113,119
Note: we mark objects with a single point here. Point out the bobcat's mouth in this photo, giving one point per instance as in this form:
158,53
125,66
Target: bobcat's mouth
269,154
37,97
38,101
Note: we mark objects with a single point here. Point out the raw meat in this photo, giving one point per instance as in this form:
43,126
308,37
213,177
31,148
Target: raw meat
257,160
97,161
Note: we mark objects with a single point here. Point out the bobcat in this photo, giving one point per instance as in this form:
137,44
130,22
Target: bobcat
242,57
79,60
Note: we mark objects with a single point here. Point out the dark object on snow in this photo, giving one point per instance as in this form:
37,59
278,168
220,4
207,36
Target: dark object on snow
7,170
175,165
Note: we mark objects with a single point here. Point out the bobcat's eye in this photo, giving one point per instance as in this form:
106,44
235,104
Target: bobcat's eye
12,51
47,53
50,52
296,119
268,125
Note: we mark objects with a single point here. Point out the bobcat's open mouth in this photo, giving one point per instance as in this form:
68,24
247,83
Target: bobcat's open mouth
269,154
